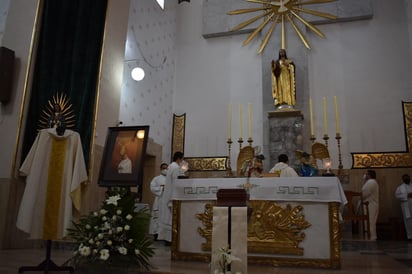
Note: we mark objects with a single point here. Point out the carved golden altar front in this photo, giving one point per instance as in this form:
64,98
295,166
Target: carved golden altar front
271,228
280,233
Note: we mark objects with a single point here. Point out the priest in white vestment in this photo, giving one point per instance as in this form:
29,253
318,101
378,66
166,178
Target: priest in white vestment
404,194
55,169
370,192
156,187
282,167
165,206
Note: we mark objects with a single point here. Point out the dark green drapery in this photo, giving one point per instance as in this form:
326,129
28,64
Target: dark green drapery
67,63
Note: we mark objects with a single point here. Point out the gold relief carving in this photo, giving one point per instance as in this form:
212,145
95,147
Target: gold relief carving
178,138
332,262
276,230
407,117
207,221
271,228
389,159
381,160
207,163
175,229
335,235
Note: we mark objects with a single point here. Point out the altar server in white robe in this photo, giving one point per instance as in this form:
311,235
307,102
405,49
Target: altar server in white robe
156,187
370,192
165,207
55,169
404,194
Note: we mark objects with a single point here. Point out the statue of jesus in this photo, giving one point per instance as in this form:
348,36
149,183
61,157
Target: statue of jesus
283,81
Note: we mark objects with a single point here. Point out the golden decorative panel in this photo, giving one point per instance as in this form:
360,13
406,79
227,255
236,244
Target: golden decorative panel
207,163
178,136
271,228
389,159
207,221
262,230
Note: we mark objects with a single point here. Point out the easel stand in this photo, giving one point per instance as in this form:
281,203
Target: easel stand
47,265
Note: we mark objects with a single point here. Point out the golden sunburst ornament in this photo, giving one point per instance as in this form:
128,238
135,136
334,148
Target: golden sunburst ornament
282,11
58,110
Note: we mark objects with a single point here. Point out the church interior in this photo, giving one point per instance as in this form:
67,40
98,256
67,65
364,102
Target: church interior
207,91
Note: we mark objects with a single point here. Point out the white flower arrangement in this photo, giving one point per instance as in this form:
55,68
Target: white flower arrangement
225,259
115,235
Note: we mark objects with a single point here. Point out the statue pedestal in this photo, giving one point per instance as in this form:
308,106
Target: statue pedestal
285,135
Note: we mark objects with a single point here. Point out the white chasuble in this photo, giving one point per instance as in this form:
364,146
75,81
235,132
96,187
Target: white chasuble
55,169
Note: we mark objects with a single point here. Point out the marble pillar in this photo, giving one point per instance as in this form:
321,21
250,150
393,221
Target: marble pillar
285,135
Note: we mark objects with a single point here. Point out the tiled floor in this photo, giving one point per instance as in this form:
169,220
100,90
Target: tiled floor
357,257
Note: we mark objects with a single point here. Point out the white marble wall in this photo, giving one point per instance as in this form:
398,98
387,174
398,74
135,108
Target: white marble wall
150,45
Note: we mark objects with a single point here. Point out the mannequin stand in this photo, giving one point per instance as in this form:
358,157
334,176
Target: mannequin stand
47,265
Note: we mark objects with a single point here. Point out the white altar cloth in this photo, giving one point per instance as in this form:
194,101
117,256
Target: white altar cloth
308,189
315,194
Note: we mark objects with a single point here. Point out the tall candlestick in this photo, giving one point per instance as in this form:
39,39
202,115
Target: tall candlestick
240,121
229,126
325,119
312,128
336,115
249,111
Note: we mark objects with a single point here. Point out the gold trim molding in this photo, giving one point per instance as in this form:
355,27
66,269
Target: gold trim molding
207,163
389,159
178,135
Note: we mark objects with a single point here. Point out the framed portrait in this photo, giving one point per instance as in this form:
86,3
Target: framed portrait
123,156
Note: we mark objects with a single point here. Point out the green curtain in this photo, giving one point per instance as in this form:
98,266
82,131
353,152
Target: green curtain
67,63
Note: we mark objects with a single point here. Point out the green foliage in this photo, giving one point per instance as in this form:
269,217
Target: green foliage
116,235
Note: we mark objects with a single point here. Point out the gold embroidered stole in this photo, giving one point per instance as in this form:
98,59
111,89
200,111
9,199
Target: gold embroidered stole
54,189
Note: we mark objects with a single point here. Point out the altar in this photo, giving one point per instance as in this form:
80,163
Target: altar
291,221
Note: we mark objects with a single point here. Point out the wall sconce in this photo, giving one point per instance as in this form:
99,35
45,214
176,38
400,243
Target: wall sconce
137,74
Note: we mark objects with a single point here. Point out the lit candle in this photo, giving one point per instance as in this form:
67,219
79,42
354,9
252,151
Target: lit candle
249,110
240,121
336,115
229,122
325,119
312,129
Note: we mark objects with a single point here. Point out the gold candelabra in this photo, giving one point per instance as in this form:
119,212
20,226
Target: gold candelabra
326,138
338,138
312,138
250,141
240,141
229,162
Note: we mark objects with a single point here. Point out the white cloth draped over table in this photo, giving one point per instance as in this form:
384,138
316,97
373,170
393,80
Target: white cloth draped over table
55,169
316,195
310,189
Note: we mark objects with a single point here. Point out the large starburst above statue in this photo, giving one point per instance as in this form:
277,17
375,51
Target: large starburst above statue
282,11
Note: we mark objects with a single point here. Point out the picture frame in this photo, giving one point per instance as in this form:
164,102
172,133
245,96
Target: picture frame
123,156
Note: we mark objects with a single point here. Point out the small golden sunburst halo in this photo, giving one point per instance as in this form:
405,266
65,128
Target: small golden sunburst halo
281,11
66,110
